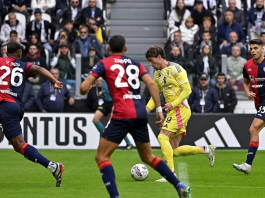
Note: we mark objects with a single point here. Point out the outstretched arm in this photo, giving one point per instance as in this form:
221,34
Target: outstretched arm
34,69
87,84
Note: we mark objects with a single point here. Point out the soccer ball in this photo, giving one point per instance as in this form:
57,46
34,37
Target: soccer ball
139,172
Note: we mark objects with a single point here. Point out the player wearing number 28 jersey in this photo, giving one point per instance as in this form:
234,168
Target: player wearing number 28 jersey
13,75
123,76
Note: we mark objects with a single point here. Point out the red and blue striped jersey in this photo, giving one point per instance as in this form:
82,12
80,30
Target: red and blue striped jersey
13,75
256,75
123,76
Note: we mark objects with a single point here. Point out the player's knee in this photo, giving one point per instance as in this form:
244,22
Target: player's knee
253,131
148,158
100,157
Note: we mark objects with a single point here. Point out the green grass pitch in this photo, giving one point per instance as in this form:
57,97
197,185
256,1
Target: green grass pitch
81,178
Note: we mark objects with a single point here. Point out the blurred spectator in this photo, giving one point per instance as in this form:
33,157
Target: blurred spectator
13,37
85,3
89,62
33,56
94,12
206,27
35,39
4,50
228,26
176,57
71,12
239,15
66,65
207,40
98,31
2,11
62,39
200,12
226,95
12,24
71,31
28,97
42,27
209,5
262,38
185,48
188,30
234,68
95,96
178,16
45,5
256,18
83,42
227,48
206,64
203,98
147,96
18,6
61,4
50,99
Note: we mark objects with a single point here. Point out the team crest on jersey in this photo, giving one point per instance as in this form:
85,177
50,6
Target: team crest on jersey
7,62
252,78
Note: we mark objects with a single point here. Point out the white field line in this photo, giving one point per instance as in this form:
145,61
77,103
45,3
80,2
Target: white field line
183,175
217,186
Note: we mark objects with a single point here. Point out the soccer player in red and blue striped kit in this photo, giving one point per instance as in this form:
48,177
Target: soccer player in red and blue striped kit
13,75
123,76
254,78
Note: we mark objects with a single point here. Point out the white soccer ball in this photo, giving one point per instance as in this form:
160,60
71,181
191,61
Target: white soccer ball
139,172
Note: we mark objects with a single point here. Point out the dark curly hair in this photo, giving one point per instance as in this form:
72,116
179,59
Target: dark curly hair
154,51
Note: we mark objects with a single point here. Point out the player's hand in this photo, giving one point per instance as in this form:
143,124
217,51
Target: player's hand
168,107
58,85
251,95
160,119
71,101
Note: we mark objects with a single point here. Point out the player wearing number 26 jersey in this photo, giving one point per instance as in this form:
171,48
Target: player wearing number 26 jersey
13,75
123,75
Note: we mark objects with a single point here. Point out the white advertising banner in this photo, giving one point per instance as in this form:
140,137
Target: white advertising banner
63,131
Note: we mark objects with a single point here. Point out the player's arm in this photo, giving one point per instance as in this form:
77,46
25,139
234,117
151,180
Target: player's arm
155,95
180,76
87,84
34,69
151,103
249,94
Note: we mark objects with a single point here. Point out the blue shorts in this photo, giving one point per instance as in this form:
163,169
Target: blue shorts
10,116
118,129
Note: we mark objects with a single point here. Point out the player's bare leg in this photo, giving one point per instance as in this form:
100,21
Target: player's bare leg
159,165
32,154
105,150
254,130
185,150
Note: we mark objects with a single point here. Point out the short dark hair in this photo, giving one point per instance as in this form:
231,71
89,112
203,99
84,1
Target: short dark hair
13,47
32,44
117,43
256,41
206,32
220,74
13,32
154,51
68,21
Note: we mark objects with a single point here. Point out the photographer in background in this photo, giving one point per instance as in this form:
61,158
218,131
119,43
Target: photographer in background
98,31
62,39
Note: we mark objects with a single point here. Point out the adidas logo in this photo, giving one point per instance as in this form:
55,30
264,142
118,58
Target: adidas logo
214,138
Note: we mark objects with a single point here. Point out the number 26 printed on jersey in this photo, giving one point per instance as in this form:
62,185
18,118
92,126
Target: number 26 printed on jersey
16,72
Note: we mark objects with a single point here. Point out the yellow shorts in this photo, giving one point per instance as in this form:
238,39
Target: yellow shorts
177,119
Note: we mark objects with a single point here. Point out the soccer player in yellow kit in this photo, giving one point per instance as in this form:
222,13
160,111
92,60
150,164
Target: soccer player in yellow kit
171,79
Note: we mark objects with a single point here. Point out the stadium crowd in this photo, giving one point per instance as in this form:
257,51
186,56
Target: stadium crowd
52,32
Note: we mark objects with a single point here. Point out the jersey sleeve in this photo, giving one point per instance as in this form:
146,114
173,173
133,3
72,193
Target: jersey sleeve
245,74
179,74
142,71
98,70
28,72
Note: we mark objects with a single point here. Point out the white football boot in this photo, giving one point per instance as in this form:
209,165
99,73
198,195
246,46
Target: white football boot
211,155
244,167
